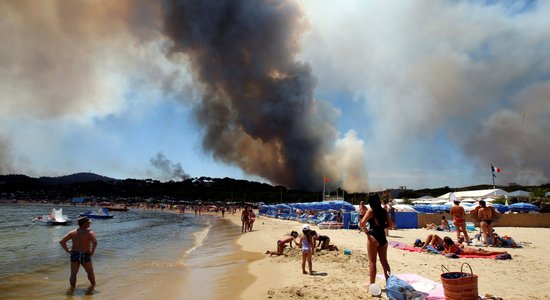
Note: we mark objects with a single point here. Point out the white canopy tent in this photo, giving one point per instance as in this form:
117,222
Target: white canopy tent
475,194
519,194
404,207
429,201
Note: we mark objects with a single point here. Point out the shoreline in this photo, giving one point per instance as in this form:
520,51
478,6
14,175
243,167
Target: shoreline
215,269
254,275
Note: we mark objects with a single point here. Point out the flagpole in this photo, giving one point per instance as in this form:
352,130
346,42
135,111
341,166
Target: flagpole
493,176
323,188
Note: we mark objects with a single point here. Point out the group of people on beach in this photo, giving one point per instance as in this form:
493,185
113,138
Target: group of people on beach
318,241
448,247
483,213
375,221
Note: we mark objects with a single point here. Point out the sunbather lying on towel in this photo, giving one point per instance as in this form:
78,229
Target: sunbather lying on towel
452,248
434,240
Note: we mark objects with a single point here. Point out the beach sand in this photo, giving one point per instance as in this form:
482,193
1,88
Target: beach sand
344,276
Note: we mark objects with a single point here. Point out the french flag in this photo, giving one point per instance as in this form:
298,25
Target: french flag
495,170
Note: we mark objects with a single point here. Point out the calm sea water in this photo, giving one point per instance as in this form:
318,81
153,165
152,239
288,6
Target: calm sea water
140,255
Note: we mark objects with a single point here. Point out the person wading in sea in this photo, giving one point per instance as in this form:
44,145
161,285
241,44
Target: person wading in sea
84,243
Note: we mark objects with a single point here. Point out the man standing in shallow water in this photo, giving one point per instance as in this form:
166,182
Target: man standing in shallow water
83,247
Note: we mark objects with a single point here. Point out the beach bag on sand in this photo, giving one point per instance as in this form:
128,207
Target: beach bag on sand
399,289
459,285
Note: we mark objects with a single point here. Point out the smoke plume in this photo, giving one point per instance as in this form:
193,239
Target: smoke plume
168,169
258,109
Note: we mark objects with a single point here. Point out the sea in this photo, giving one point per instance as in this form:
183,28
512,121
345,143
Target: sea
141,254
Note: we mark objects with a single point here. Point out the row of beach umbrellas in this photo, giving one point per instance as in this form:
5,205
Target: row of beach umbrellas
516,207
422,208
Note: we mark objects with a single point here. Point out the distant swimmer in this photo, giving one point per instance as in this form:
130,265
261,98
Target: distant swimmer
84,243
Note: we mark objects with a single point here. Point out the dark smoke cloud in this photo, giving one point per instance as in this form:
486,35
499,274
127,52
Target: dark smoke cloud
168,169
76,62
258,107
5,157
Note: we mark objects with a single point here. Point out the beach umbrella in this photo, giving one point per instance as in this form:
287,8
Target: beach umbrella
404,207
523,207
283,208
468,200
441,207
466,204
425,208
519,194
501,208
341,205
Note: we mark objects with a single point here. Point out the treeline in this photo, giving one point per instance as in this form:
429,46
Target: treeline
192,189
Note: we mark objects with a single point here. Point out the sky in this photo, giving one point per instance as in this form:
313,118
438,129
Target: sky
362,95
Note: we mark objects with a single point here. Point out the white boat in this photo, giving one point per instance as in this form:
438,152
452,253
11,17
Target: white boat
56,217
101,213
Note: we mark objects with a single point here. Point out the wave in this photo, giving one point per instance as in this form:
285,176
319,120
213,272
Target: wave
199,238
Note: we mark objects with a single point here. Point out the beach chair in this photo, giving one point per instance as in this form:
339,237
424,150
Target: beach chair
329,217
320,217
354,222
470,226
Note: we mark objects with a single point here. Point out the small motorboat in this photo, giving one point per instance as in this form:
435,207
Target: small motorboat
56,217
117,208
101,213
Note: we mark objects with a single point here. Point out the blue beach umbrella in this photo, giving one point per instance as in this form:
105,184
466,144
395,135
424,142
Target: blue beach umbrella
523,207
501,208
425,208
341,205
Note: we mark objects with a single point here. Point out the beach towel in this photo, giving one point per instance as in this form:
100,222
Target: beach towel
434,290
403,246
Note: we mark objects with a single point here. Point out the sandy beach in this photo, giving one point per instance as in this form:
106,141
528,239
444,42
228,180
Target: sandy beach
344,276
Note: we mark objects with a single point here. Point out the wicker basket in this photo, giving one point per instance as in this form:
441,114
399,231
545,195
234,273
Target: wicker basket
459,285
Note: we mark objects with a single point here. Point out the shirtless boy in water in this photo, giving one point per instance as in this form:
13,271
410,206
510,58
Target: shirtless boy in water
83,247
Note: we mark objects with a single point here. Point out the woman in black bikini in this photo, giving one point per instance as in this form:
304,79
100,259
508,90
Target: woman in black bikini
486,215
377,244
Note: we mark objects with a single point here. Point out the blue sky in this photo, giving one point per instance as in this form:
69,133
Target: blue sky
425,94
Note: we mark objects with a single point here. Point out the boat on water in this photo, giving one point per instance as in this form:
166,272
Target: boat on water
56,217
117,208
101,213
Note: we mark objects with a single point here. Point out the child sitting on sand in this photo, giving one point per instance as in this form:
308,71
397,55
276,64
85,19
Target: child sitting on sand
308,249
281,244
443,227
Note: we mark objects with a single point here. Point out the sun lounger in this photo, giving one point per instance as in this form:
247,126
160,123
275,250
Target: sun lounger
330,225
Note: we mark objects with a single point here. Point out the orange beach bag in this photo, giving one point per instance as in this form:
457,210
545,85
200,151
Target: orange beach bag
459,285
